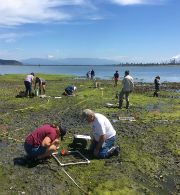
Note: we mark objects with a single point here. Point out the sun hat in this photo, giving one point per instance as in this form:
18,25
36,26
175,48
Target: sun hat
75,88
62,131
86,113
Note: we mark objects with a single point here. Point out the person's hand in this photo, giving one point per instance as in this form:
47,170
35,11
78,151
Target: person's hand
131,91
96,151
56,142
93,141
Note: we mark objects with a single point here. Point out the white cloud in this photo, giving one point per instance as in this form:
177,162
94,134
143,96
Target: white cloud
10,40
175,57
38,11
49,56
133,2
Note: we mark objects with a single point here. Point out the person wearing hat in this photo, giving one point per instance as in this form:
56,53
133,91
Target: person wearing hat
43,142
116,76
27,83
104,135
157,83
128,86
69,90
42,84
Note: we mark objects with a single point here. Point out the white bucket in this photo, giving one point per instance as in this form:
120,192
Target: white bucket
36,92
95,84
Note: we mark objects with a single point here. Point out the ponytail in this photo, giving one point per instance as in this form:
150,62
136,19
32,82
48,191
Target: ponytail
54,125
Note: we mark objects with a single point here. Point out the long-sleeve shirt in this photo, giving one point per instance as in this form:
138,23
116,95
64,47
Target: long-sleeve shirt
128,84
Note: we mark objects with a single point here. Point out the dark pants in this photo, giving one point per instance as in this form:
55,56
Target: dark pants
105,147
28,87
69,92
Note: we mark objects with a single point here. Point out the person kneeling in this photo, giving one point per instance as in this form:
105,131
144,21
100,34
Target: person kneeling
69,90
104,135
43,142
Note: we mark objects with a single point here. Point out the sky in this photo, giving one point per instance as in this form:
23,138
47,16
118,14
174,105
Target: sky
127,31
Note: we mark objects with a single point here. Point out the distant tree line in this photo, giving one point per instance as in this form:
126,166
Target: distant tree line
171,62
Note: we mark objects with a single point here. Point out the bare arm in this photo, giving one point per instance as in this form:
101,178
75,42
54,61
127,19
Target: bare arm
48,142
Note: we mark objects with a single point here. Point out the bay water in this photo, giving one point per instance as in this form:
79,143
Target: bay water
139,73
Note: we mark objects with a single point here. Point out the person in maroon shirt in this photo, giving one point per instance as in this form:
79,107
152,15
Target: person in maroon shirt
43,141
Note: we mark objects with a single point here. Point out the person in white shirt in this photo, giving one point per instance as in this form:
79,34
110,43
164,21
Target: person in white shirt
128,87
104,135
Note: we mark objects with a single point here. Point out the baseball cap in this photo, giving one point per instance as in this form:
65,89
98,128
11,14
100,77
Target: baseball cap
62,131
86,113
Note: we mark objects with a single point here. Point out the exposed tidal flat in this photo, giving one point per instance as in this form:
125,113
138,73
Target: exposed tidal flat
150,149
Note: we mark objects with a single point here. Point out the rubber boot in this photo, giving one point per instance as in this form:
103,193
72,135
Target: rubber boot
44,91
154,94
39,92
127,104
120,104
113,151
30,95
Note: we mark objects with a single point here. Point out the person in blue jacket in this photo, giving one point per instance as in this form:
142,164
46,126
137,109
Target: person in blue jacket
69,90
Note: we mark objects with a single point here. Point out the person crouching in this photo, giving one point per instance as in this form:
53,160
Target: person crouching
69,90
43,142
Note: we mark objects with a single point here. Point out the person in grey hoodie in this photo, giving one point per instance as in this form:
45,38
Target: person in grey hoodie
128,87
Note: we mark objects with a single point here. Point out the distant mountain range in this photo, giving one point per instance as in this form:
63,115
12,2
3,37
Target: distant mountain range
9,62
68,61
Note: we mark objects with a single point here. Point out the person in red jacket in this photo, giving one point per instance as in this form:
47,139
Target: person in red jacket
43,141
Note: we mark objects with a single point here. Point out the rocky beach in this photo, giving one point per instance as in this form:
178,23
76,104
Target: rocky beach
150,149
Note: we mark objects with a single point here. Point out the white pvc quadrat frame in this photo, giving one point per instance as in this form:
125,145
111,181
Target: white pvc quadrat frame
69,152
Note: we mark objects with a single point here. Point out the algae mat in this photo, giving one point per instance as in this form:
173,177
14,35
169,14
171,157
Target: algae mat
149,159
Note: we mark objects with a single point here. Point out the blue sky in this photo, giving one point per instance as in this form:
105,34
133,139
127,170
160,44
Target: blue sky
134,31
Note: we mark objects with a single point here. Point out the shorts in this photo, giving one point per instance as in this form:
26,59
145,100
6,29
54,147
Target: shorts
116,79
43,83
32,151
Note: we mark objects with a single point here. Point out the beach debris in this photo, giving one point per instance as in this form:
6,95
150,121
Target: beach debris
127,118
156,112
4,128
114,120
57,97
108,104
135,114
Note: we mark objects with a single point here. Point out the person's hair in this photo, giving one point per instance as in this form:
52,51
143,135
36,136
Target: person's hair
127,72
37,79
116,70
32,73
54,125
158,77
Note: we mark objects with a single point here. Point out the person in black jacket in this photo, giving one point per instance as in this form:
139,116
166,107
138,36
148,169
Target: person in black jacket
157,83
92,74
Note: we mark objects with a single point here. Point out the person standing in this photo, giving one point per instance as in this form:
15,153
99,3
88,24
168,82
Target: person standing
87,74
27,82
116,76
104,135
43,142
42,84
128,87
157,83
92,74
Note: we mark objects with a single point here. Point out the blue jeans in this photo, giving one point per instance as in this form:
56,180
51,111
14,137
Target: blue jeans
28,87
105,147
31,151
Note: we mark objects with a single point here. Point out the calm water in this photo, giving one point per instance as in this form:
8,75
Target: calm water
145,74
